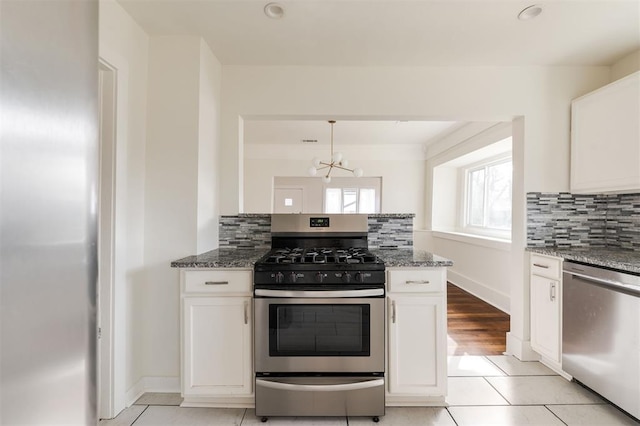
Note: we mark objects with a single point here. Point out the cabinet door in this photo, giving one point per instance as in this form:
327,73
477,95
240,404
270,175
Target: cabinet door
417,345
605,138
217,346
545,317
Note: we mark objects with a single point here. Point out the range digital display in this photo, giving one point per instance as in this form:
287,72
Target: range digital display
319,222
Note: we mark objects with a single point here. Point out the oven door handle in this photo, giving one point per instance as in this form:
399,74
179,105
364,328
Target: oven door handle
321,388
320,294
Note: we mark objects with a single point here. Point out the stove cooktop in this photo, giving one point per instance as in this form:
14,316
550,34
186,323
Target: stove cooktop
319,256
320,265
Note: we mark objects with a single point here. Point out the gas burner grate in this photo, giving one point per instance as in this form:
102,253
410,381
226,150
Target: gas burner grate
320,256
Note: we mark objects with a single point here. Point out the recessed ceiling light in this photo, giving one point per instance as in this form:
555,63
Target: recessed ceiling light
274,10
529,12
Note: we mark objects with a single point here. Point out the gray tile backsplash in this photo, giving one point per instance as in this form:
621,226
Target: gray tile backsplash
245,231
253,231
573,220
391,231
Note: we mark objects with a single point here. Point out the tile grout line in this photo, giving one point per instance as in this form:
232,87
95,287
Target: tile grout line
499,393
451,415
496,365
554,414
141,413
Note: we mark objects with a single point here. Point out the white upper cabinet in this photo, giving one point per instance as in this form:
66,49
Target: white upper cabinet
605,138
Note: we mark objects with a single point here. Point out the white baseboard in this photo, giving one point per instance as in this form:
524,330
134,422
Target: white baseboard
481,291
152,384
520,349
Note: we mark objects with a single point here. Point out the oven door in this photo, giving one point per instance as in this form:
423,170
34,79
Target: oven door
309,332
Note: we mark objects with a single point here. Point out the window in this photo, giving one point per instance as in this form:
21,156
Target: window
487,197
350,200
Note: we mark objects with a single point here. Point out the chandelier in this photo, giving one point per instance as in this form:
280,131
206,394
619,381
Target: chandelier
336,162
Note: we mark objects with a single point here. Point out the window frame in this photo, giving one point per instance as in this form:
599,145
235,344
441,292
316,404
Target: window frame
464,220
342,185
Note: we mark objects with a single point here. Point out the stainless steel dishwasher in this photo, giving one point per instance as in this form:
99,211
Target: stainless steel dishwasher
601,332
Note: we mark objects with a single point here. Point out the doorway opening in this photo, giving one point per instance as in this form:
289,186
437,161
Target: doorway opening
474,327
106,240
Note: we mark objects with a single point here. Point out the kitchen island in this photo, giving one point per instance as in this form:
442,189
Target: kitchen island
216,291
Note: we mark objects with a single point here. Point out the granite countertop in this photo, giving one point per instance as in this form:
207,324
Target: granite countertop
615,258
411,258
245,258
221,258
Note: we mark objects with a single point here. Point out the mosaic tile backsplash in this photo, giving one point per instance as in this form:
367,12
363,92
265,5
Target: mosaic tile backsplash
245,231
566,220
391,231
253,231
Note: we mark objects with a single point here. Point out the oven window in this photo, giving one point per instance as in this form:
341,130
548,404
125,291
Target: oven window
319,330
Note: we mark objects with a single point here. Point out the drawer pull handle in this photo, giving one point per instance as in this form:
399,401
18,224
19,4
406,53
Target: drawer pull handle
417,282
216,282
539,265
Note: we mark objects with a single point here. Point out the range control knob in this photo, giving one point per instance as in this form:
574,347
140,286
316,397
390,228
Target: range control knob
279,277
359,277
346,277
319,277
293,277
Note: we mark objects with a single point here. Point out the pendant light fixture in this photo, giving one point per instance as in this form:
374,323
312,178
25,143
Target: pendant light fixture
336,162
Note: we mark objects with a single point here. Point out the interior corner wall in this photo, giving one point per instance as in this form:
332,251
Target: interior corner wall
625,66
171,196
125,47
208,149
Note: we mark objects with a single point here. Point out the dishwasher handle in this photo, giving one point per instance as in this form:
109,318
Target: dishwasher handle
613,285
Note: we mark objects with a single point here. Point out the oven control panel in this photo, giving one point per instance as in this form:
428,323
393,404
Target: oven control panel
320,277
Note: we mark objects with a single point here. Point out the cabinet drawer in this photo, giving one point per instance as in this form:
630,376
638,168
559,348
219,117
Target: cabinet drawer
218,281
417,280
546,266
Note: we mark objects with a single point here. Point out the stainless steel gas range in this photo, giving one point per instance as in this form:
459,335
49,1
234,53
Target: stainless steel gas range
319,320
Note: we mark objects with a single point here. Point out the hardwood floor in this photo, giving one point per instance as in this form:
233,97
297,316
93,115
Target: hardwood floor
474,326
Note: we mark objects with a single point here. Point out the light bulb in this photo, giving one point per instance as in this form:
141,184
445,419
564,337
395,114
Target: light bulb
358,172
337,156
315,162
312,171
326,179
345,163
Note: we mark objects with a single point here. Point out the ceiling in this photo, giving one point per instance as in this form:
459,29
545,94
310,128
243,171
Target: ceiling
393,33
401,32
351,132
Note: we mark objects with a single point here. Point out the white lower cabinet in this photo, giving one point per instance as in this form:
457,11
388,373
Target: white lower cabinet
545,317
546,309
217,353
417,337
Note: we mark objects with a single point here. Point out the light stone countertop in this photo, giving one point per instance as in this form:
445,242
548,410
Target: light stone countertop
410,258
222,258
246,258
608,257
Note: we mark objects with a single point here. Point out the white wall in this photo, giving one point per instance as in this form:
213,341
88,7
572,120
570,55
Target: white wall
401,167
537,98
124,46
626,65
208,149
180,198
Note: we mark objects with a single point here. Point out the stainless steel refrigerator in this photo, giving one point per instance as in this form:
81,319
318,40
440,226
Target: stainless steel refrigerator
48,175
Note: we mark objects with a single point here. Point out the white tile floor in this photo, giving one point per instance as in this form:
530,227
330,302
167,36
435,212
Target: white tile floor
483,390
